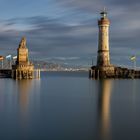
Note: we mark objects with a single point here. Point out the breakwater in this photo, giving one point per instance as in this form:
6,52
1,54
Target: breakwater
117,72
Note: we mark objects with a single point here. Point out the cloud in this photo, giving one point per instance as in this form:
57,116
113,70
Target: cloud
88,5
49,37
74,33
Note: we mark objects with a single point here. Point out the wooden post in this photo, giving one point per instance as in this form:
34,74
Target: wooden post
12,74
2,64
16,74
98,74
90,73
20,77
39,74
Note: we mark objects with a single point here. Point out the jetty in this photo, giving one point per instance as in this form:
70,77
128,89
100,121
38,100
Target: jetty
23,68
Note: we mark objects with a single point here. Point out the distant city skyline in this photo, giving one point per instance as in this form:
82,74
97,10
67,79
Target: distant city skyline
67,31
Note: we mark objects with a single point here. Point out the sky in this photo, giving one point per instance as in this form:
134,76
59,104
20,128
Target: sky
66,30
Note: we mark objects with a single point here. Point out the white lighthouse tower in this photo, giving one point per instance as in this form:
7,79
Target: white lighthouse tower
103,68
103,58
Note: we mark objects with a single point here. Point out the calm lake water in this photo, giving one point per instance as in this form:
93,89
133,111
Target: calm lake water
69,106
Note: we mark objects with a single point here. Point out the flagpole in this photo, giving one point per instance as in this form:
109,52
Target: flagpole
135,65
10,62
133,59
2,64
92,61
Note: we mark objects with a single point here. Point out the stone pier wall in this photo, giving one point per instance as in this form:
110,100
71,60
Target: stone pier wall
118,72
23,71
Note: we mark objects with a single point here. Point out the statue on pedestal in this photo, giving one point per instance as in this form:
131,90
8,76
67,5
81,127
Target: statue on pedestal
23,43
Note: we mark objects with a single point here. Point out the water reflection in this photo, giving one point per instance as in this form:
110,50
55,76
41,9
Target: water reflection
28,93
28,97
105,88
24,87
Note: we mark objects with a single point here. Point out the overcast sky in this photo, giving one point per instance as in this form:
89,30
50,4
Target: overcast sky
67,30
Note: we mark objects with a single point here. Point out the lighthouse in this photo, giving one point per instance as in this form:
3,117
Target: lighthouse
103,57
104,69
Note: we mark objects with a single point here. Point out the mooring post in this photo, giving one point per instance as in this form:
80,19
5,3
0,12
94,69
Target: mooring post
38,73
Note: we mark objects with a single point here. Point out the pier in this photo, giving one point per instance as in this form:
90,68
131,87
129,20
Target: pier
23,68
5,73
118,72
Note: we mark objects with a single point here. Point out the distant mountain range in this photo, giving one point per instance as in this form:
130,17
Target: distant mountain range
54,66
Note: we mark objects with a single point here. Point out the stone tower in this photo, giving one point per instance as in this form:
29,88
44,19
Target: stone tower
22,52
103,58
23,69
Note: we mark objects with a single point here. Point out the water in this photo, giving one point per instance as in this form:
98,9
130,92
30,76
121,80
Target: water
69,106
